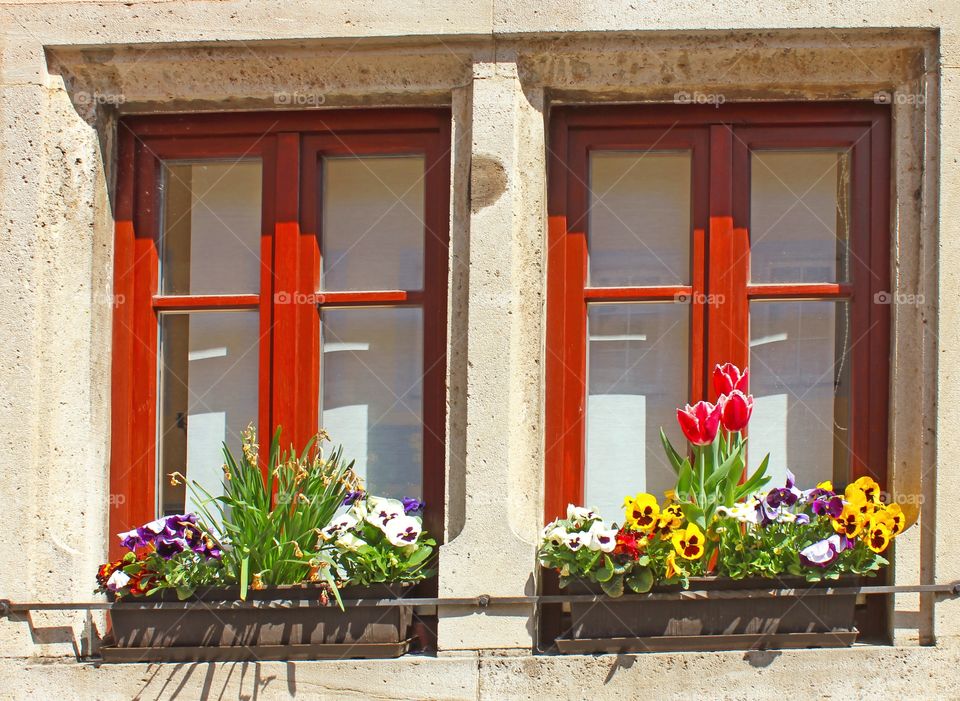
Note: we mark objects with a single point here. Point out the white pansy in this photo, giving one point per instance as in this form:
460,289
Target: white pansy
602,538
402,530
579,513
338,525
118,580
348,541
382,511
577,540
556,535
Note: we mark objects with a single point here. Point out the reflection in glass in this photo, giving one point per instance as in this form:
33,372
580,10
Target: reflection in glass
800,380
639,218
799,216
372,403
638,369
208,395
373,227
211,227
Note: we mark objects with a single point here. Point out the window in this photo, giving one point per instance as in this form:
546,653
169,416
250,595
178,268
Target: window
281,269
682,237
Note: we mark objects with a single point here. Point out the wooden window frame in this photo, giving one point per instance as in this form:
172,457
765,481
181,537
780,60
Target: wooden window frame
289,145
720,139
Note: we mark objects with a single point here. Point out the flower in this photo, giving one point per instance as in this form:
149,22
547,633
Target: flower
577,540
382,511
735,411
700,422
411,505
132,540
118,580
168,547
352,497
727,378
850,522
642,511
348,541
823,553
831,506
689,542
402,530
672,568
627,544
554,534
340,524
877,535
865,486
602,538
580,513
671,517
897,519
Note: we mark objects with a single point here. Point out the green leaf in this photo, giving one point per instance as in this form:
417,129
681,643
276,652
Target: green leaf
640,580
613,587
184,592
244,574
672,455
605,573
694,514
684,480
755,482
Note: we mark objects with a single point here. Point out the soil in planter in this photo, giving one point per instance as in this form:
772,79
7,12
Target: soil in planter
272,616
635,618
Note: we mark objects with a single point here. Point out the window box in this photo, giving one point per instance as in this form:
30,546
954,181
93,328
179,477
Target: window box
637,624
286,622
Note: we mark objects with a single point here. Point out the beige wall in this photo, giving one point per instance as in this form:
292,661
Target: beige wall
67,70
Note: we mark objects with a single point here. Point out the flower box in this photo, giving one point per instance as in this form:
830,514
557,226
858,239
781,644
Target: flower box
820,620
286,622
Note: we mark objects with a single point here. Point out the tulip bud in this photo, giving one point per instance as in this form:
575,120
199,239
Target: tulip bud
700,422
727,378
736,410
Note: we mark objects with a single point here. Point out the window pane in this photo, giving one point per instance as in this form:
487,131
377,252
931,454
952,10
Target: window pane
372,233
211,228
208,395
799,216
639,218
800,380
372,394
638,365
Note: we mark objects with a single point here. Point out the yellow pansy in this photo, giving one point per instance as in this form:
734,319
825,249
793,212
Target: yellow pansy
851,520
865,486
689,542
673,569
642,512
877,536
897,520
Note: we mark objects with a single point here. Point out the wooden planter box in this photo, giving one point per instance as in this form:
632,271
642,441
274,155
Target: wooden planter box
653,624
286,622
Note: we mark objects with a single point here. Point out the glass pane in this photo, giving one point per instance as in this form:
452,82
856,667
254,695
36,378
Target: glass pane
800,380
639,218
372,398
799,216
211,228
208,395
638,369
372,233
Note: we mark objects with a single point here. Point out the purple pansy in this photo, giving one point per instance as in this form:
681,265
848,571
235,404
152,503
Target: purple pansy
352,497
411,505
825,552
830,506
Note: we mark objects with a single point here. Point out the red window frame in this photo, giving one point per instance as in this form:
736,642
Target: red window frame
720,139
289,145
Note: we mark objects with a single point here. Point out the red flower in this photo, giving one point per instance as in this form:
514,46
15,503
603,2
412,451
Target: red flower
104,572
700,422
727,378
736,410
627,544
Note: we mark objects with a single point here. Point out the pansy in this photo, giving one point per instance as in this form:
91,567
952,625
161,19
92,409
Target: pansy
411,505
627,544
118,580
577,540
132,540
602,538
877,535
348,541
340,524
671,518
823,553
831,506
579,514
672,568
168,547
352,497
402,530
689,542
850,522
642,511
555,535
865,486
788,495
382,511
898,520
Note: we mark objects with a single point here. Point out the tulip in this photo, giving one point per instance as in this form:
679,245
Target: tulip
727,378
736,408
700,422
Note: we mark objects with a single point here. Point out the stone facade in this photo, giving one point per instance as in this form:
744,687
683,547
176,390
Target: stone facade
67,70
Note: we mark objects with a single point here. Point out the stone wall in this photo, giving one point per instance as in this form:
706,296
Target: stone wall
67,70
